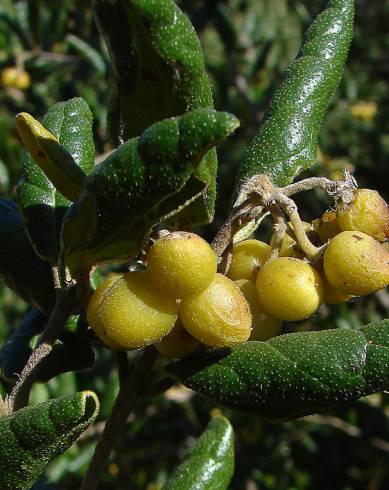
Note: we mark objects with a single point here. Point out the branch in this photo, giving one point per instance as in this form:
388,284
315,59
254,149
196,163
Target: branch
66,303
124,403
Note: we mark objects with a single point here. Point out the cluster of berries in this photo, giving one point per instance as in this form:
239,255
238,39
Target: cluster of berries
355,262
178,304
181,303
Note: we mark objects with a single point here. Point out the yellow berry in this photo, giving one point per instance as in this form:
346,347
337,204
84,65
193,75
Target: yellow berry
289,289
219,315
355,263
181,264
178,343
134,314
333,296
327,226
263,326
289,246
15,78
247,257
93,312
367,213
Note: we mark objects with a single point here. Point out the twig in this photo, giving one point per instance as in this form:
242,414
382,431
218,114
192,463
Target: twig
123,405
66,303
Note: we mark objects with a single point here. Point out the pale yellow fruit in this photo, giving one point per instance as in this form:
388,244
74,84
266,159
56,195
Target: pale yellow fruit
289,289
367,213
332,296
181,264
93,312
178,343
264,327
247,257
289,246
327,226
356,264
136,314
15,78
219,316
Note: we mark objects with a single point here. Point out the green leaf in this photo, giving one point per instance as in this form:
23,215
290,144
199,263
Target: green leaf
69,354
210,462
33,436
42,206
24,272
157,71
16,350
294,374
286,142
55,161
140,184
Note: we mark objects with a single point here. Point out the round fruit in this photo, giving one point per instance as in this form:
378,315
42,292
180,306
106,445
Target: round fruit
367,213
327,226
247,257
289,289
181,264
133,314
178,343
93,312
219,316
355,263
15,78
332,296
264,327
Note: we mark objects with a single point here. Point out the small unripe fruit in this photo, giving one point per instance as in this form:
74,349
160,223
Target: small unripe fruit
133,313
15,78
93,312
289,246
264,327
289,289
327,226
219,316
181,264
367,213
356,264
178,343
247,257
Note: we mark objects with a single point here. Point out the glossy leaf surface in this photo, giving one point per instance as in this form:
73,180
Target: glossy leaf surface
209,464
294,374
286,142
157,71
32,436
24,272
139,185
42,205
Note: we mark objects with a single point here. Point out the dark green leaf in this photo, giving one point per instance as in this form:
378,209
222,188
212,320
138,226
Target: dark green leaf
42,206
157,71
210,462
294,374
68,354
286,142
24,272
32,436
16,350
138,185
